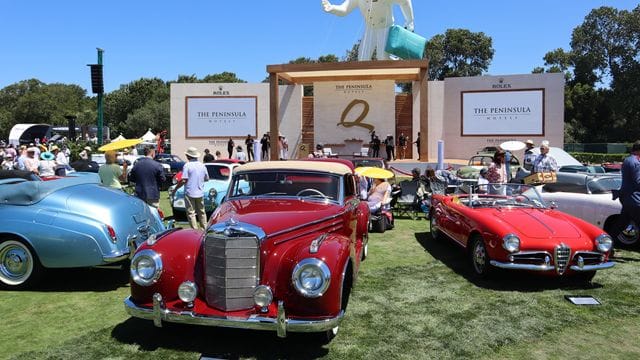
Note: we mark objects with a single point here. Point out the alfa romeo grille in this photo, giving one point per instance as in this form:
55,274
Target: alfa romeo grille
231,271
561,257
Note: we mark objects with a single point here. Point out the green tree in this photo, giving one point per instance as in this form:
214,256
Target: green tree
459,52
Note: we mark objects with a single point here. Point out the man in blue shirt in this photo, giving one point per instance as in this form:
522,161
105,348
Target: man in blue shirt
194,174
630,190
148,175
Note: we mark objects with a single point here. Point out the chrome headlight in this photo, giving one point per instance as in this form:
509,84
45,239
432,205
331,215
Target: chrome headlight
604,243
146,267
187,291
511,243
262,295
311,277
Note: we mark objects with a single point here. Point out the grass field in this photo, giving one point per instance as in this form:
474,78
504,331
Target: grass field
414,299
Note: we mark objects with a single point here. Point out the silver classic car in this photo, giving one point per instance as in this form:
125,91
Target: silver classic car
64,223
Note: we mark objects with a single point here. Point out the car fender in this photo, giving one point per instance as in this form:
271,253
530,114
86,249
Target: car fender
334,251
180,252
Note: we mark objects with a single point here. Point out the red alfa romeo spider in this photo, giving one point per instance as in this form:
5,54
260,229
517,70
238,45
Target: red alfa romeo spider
510,227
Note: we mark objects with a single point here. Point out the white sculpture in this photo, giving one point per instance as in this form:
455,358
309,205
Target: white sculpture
378,16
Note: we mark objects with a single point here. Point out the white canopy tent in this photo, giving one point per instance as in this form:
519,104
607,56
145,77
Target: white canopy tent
149,136
120,137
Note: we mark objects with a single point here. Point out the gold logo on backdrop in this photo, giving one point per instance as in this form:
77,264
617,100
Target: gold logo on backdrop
358,121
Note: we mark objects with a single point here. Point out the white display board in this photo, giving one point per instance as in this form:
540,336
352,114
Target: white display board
515,112
352,110
226,116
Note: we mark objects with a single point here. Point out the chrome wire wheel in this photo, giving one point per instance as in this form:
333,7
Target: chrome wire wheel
479,257
16,263
435,233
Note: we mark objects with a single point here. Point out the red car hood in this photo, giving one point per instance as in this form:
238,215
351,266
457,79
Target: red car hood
276,215
538,224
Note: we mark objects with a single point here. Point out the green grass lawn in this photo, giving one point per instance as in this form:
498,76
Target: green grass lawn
414,298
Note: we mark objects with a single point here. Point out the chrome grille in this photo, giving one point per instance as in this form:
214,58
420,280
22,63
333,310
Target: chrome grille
561,256
231,271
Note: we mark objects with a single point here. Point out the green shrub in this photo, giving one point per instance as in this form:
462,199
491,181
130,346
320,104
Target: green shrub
597,158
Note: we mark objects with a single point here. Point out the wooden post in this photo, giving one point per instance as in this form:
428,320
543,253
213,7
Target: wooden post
274,111
424,115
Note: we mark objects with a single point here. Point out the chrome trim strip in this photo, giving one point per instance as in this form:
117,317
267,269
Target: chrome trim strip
160,313
512,266
602,266
316,222
118,256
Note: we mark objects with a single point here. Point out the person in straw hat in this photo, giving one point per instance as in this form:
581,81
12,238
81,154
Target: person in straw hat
62,163
194,174
529,155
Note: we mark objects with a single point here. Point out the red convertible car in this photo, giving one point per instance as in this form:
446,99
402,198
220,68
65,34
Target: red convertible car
281,253
510,227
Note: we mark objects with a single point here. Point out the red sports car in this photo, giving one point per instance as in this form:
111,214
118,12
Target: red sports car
510,227
281,253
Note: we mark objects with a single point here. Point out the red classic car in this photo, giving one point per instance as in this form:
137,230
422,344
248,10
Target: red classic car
281,253
510,227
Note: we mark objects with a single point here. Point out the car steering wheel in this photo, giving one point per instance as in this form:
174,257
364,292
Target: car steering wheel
310,190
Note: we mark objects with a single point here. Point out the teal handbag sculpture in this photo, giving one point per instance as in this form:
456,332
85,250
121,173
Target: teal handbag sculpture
405,44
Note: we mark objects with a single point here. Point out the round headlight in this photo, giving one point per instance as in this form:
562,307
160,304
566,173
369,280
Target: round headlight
187,291
262,295
146,267
311,277
604,243
511,243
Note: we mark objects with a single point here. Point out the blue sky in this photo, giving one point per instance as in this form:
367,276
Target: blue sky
54,40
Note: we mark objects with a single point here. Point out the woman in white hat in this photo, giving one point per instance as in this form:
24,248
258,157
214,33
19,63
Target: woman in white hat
8,163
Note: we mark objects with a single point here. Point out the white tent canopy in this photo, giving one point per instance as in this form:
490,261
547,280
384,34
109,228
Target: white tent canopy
120,137
149,136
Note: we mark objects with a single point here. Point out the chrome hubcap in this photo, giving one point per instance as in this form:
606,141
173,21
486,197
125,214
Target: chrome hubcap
15,263
629,235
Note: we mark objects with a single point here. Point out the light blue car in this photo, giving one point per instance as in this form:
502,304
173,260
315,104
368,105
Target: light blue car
215,189
66,223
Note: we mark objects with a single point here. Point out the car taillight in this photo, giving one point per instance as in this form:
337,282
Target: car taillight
112,234
161,214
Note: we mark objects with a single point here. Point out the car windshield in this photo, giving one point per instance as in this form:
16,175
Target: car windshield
604,185
218,172
288,183
502,195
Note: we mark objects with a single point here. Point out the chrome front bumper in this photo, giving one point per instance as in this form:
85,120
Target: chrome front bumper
280,324
544,267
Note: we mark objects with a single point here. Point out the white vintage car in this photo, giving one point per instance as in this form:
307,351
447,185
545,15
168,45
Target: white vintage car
589,197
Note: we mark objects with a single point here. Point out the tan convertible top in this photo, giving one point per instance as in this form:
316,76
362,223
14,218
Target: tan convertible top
330,167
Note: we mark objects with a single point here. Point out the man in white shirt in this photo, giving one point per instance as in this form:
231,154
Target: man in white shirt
61,161
194,174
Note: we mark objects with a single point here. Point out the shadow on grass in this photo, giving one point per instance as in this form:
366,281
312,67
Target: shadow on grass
82,279
215,342
456,258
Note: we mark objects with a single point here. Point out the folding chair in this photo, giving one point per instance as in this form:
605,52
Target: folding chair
407,203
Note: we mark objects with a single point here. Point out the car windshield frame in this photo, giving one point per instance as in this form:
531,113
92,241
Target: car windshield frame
510,195
287,184
604,185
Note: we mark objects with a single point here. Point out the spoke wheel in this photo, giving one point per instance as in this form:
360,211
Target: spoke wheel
479,258
18,265
435,233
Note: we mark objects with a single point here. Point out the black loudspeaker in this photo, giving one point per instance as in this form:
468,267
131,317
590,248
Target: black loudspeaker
71,123
97,85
